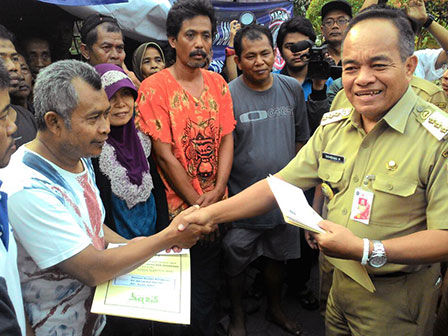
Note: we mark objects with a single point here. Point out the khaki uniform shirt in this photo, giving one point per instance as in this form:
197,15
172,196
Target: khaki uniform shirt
408,163
430,92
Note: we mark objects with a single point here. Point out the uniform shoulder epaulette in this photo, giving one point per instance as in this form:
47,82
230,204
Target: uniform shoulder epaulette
429,92
433,119
336,115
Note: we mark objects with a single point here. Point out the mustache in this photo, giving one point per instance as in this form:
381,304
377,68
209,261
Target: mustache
198,53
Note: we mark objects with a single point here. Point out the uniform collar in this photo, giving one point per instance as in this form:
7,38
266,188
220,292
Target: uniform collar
398,115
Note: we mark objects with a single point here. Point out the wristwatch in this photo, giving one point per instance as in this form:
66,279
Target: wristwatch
378,257
428,21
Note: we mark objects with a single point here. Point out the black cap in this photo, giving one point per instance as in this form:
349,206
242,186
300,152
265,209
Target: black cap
336,4
92,21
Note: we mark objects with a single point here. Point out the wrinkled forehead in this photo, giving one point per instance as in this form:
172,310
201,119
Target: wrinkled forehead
103,33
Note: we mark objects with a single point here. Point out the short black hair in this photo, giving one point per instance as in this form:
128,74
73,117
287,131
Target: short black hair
406,42
26,39
297,24
251,32
4,77
89,30
5,34
185,10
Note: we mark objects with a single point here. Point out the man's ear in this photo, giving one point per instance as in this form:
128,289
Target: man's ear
411,64
85,51
53,121
172,41
237,61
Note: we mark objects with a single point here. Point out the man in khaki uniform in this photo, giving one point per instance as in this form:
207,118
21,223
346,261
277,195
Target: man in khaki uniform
428,92
386,155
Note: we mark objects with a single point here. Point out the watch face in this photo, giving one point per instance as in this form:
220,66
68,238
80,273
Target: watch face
377,261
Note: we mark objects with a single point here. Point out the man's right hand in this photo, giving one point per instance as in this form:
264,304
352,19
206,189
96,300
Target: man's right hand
234,27
416,11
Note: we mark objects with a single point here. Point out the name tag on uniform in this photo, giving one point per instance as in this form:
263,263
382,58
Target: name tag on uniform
362,206
333,157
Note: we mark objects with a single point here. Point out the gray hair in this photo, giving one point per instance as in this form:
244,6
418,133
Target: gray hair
4,77
397,18
54,89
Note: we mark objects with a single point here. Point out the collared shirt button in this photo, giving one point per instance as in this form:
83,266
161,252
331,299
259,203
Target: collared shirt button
344,211
419,108
389,187
355,179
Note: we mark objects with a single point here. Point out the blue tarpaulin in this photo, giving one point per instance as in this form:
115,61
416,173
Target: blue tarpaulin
82,2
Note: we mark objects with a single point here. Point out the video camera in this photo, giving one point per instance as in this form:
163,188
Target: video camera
320,65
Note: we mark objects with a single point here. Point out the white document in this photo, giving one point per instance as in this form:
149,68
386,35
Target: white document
294,206
297,211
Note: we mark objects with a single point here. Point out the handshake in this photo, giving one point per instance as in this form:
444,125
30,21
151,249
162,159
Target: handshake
188,227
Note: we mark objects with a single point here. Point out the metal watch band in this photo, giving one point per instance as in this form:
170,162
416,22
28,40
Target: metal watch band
378,257
365,254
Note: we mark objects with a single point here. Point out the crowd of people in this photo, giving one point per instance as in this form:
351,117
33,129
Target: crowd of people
157,156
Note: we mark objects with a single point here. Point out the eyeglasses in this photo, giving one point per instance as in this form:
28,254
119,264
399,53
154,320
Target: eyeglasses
330,22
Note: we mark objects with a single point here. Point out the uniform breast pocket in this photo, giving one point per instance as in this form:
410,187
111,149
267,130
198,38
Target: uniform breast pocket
394,200
331,172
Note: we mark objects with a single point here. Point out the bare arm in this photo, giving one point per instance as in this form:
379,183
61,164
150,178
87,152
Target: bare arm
93,267
231,67
225,159
441,35
174,172
416,10
423,247
368,3
29,330
111,236
253,201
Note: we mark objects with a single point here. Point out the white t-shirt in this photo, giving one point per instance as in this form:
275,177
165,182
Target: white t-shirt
427,59
55,214
8,270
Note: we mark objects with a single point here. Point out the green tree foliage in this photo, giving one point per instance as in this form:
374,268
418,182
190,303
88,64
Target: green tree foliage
438,8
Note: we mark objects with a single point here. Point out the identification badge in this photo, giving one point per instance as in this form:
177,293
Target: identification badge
362,206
